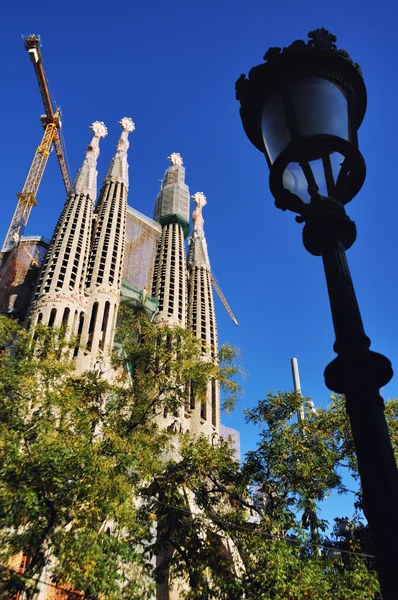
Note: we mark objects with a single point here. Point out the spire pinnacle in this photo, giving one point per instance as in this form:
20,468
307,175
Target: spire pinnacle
86,178
200,200
175,158
118,169
172,201
198,254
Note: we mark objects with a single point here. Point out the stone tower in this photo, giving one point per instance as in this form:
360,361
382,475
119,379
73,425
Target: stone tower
59,297
105,265
170,273
205,418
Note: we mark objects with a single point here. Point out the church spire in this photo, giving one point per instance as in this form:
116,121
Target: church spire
105,266
59,298
86,178
201,315
198,255
118,169
202,318
172,202
170,271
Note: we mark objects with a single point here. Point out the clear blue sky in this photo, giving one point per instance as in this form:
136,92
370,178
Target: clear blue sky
171,66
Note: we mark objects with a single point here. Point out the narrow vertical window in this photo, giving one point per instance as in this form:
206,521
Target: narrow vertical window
53,314
79,334
203,410
213,402
104,325
65,318
91,327
191,397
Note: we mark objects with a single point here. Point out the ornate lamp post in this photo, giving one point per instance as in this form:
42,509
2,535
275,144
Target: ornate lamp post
302,108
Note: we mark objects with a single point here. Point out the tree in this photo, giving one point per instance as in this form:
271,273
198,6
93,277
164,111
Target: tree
87,492
75,452
231,547
297,464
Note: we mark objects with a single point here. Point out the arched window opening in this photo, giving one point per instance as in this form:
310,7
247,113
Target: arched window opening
104,325
213,402
79,335
91,327
53,314
203,411
191,397
65,318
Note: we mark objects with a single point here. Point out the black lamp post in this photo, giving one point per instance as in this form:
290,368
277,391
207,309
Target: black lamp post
302,108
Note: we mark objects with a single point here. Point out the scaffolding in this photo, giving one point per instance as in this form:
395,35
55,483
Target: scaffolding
142,236
19,269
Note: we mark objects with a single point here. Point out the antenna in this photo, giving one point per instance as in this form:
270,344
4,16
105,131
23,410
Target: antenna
297,386
297,389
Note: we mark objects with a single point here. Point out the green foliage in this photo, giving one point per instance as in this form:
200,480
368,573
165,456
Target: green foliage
225,547
66,466
162,363
296,461
91,487
76,451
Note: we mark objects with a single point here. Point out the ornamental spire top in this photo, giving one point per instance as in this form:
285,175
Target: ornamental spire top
175,158
173,196
200,200
118,169
198,254
86,178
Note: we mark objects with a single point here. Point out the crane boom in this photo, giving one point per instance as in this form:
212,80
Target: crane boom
223,299
52,125
59,151
32,44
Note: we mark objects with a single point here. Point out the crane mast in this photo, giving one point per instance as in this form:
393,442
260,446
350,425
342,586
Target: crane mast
51,122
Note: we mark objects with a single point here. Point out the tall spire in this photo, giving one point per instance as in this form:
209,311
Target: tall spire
201,315
170,272
105,265
118,169
172,202
86,178
202,319
197,244
59,298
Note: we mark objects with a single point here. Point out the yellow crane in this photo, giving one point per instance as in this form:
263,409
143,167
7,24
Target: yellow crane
223,299
51,122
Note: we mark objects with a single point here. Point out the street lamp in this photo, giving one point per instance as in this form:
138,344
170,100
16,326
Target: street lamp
302,108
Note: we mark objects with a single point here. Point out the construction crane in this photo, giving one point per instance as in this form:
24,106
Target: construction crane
51,122
223,300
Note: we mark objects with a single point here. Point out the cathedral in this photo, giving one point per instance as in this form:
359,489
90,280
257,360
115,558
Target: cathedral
104,253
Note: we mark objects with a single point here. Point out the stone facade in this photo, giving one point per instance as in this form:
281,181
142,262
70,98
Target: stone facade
79,286
82,280
202,321
185,291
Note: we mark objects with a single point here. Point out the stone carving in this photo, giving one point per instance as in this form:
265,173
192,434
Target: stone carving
118,169
86,179
198,254
127,124
175,158
99,129
200,200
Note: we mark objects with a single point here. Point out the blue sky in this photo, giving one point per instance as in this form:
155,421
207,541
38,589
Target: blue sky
172,66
